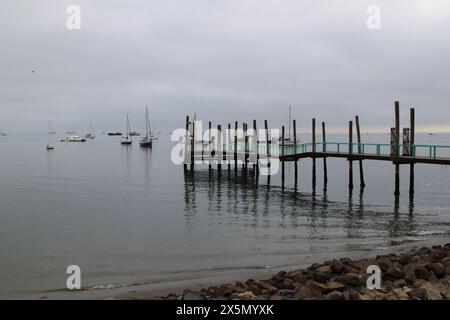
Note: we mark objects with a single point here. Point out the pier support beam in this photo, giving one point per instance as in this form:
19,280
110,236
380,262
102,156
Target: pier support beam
235,145
362,183
226,152
209,147
186,141
219,149
255,142
397,148
282,154
314,154
324,149
245,164
412,149
295,151
350,155
266,129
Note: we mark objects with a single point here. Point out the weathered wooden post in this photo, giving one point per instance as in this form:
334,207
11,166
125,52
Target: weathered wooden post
245,164
361,169
282,154
255,143
324,150
209,147
266,129
350,155
314,154
295,152
397,148
227,152
193,145
219,148
412,120
186,142
235,145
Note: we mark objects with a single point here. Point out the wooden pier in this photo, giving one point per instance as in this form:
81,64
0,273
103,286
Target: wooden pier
249,147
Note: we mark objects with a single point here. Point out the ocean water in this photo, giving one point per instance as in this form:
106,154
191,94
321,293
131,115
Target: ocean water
128,215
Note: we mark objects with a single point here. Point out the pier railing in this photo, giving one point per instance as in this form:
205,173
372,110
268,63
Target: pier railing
378,149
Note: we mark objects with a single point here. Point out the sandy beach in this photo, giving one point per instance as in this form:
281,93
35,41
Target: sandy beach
195,284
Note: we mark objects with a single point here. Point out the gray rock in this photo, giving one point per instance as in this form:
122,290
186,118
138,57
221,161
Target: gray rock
334,295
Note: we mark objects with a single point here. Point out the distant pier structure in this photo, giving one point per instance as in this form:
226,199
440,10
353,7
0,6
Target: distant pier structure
264,151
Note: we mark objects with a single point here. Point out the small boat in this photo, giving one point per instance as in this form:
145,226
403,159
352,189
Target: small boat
134,133
76,139
127,139
70,132
49,145
3,134
146,142
91,134
114,133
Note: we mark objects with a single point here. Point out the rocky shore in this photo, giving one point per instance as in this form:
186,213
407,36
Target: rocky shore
419,274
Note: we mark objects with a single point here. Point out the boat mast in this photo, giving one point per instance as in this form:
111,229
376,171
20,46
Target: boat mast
128,127
146,122
289,134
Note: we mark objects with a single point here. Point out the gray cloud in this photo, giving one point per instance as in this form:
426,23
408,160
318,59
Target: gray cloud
226,60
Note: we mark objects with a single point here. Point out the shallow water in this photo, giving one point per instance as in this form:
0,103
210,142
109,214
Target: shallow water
126,214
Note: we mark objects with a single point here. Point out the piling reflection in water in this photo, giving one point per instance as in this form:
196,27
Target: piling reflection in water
244,201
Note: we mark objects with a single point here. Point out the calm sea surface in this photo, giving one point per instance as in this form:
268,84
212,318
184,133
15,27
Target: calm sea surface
128,215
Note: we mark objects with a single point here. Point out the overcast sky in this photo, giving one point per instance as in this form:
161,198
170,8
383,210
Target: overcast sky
224,59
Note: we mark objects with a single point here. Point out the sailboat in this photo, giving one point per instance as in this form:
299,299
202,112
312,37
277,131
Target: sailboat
91,134
147,140
127,139
50,146
50,128
154,134
288,140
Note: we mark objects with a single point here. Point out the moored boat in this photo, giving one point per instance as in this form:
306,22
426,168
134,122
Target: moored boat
91,133
146,141
127,139
75,139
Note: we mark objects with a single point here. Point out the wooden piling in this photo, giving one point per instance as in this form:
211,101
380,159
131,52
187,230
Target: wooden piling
412,120
226,152
350,155
282,154
193,145
235,145
314,154
186,141
362,182
209,146
219,148
397,148
255,143
324,149
295,151
245,164
266,129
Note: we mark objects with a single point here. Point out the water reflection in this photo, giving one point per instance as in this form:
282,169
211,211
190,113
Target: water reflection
242,201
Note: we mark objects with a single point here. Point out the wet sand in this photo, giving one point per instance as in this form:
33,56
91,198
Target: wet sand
205,278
